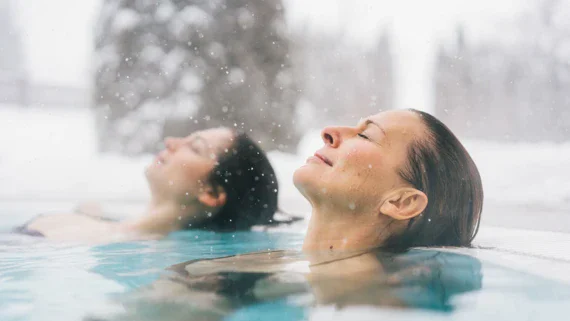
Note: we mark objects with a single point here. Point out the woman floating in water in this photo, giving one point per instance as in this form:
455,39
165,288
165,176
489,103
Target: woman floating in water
397,180
214,179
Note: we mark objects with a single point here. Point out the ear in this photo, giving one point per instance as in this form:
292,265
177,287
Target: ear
212,197
404,203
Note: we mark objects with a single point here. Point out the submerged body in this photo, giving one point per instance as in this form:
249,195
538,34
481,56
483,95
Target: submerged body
214,289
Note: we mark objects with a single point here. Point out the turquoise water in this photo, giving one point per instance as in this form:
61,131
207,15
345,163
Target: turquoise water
49,281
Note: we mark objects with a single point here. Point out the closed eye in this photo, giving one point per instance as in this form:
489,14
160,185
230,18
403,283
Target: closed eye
195,148
363,136
368,138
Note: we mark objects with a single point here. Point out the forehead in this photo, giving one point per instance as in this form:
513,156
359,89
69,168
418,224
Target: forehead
216,137
402,125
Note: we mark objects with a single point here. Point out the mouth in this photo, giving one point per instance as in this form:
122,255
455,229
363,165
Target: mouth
323,158
159,160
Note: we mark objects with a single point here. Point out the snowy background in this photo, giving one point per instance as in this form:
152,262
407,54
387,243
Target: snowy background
49,152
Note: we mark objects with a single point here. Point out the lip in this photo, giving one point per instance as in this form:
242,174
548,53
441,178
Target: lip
159,159
323,158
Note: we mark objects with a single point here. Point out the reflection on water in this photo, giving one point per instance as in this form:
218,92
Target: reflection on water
290,282
40,280
44,281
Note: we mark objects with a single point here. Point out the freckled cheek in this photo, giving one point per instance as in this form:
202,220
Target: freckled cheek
362,162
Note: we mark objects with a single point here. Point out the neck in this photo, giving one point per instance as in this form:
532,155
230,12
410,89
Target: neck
162,216
330,231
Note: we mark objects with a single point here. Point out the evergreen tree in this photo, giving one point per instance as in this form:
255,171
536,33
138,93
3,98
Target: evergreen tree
515,91
175,66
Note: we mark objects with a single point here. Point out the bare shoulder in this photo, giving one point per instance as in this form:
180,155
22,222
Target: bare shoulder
48,220
67,226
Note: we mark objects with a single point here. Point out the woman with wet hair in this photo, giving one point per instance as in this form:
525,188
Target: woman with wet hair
214,179
396,180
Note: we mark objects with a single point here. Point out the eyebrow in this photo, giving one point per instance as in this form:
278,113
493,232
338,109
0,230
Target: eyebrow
370,122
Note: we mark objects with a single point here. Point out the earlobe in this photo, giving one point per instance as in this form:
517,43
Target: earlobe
404,204
213,198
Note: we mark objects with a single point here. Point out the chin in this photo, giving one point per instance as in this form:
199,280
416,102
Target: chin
150,171
305,179
153,175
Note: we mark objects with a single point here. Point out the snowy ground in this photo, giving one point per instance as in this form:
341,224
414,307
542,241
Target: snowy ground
48,160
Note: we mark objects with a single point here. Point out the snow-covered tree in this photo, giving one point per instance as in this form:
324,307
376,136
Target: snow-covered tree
174,66
514,88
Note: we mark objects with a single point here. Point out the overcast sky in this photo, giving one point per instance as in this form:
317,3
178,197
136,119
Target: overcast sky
58,34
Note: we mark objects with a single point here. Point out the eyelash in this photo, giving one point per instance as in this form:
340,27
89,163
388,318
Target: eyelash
363,136
194,148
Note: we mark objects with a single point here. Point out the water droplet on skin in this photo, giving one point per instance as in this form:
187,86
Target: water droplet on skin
352,206
213,156
369,165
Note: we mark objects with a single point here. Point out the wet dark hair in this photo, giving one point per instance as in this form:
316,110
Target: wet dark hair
441,167
247,177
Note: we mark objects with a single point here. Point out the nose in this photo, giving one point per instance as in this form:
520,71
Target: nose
333,136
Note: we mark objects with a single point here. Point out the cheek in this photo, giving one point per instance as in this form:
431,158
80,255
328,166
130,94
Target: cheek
366,171
190,174
360,161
